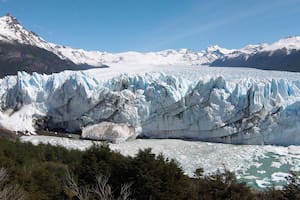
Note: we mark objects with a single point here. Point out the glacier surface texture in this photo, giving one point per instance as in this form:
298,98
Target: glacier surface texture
156,105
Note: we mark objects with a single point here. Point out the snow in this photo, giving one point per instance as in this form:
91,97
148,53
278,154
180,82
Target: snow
276,164
242,106
23,118
12,31
59,141
288,43
251,163
174,57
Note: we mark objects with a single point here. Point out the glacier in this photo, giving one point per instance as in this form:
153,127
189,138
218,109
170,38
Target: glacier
197,103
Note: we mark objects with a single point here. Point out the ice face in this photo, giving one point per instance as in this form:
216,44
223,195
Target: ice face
158,105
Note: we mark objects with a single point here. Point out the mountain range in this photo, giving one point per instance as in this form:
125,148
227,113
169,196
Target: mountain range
23,50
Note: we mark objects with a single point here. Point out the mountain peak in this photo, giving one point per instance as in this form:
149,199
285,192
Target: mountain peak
217,49
213,48
11,20
12,31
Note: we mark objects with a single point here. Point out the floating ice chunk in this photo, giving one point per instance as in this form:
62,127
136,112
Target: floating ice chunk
276,164
263,183
108,131
279,176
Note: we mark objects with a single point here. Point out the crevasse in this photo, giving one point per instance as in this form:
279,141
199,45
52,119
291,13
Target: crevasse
154,105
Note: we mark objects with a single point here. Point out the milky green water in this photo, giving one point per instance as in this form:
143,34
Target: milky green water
271,170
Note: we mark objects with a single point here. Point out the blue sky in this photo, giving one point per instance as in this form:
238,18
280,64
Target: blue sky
148,25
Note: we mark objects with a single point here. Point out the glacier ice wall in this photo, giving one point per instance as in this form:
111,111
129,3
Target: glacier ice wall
156,105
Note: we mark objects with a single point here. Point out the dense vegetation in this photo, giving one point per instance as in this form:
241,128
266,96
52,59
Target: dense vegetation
47,172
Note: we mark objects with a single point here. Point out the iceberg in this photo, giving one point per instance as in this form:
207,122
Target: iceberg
156,105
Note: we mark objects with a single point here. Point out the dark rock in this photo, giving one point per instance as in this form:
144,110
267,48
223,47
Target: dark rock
16,57
280,59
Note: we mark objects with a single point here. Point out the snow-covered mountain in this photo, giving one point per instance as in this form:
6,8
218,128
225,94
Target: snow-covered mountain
13,32
22,50
281,55
288,44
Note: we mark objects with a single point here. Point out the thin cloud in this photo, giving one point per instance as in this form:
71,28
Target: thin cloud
211,25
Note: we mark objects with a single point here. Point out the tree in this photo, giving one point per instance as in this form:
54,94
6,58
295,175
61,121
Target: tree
157,177
223,185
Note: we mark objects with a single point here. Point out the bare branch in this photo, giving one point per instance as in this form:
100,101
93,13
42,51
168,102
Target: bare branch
125,191
3,177
102,189
9,192
12,192
82,193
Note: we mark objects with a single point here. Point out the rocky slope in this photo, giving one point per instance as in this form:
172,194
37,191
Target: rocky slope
22,50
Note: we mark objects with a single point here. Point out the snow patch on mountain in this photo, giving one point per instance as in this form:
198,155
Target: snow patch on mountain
12,31
289,43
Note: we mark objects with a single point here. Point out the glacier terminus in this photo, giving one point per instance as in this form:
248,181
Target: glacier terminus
228,105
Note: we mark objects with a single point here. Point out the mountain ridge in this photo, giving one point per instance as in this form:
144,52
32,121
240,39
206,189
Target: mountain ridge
12,31
280,55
